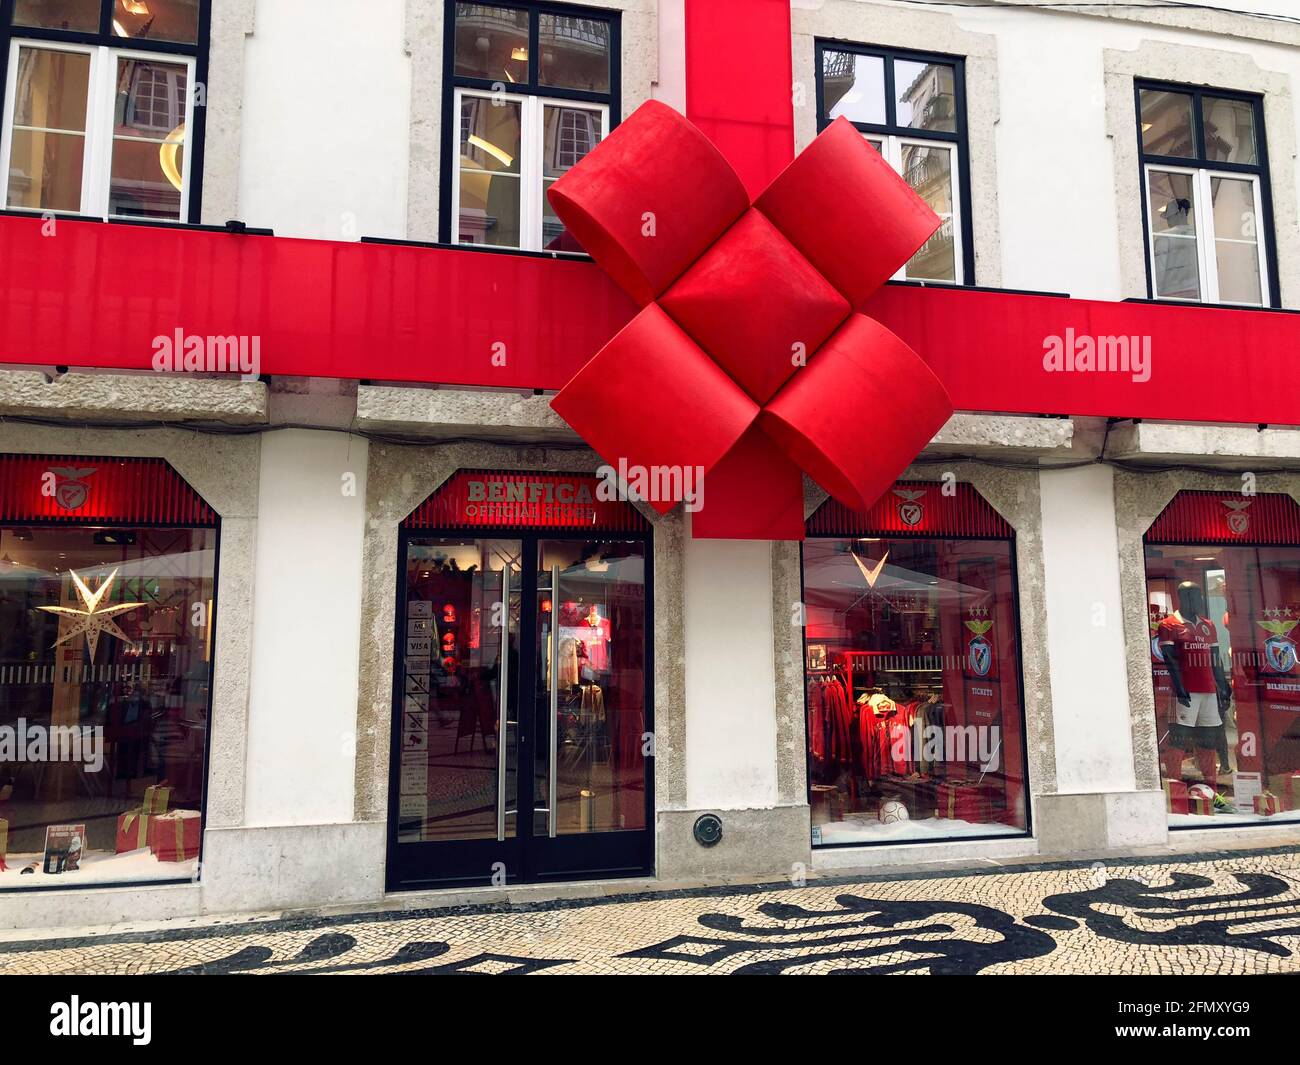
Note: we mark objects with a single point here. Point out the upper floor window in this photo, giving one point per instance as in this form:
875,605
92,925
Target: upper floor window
530,91
911,108
100,106
1205,194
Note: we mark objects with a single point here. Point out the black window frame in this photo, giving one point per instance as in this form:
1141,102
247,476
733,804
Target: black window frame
890,128
451,81
105,38
1259,169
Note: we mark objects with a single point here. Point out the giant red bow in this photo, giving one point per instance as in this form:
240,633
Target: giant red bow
747,358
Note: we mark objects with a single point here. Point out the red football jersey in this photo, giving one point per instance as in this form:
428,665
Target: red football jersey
1197,644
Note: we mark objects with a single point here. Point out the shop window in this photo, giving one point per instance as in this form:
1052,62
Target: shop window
914,710
107,600
1223,599
530,92
911,108
1205,195
101,116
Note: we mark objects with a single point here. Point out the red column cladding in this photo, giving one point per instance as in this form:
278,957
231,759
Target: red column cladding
915,508
496,499
83,489
1227,518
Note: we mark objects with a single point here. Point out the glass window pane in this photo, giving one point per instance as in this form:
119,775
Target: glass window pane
1229,130
1246,605
1172,201
96,637
1236,242
569,134
490,135
1167,124
928,170
146,179
45,170
491,43
914,710
79,15
575,52
924,94
52,88
853,87
489,209
151,98
157,20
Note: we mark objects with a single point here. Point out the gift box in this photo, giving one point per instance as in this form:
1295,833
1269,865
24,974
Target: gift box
1200,804
1286,786
1176,801
919,794
132,831
1267,804
156,799
963,800
174,837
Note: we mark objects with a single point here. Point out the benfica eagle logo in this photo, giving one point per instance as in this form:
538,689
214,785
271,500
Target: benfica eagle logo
910,510
1279,648
70,487
979,653
1238,519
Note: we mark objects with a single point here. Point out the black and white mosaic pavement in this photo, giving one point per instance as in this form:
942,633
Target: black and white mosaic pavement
1223,913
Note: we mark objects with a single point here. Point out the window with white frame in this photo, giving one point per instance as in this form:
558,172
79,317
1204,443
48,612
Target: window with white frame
99,107
1205,195
911,108
531,92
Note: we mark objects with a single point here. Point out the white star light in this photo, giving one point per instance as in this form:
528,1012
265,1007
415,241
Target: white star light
92,621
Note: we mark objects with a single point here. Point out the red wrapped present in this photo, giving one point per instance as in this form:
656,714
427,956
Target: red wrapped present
1175,796
1286,786
963,800
132,831
1267,804
174,837
1199,804
156,799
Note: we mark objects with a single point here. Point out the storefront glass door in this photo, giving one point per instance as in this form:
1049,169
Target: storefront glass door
520,652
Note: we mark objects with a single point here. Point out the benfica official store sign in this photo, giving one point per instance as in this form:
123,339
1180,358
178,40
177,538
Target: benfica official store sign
475,499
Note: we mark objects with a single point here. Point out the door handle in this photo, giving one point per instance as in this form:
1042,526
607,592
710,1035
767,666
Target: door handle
503,687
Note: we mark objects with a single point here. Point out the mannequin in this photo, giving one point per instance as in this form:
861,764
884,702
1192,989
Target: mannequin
1189,642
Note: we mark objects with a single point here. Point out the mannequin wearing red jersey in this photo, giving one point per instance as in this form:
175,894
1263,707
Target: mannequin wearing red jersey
1189,641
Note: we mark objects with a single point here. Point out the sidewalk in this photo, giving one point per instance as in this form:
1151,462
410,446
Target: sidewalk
1224,914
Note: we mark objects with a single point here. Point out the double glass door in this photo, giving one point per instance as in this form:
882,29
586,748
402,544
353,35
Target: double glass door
521,727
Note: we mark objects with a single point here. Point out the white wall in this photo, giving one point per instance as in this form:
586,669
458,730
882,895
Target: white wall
730,676
306,630
327,101
1085,631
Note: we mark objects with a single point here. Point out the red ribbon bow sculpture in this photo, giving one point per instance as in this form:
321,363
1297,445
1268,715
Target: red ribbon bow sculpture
747,358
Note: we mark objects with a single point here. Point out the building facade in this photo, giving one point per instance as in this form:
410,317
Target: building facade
326,637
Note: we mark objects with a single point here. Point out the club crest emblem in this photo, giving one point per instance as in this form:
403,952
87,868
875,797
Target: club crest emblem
70,487
910,511
1238,519
1279,648
979,652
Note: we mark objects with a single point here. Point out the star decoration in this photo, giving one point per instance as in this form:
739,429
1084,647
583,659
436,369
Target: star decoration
92,621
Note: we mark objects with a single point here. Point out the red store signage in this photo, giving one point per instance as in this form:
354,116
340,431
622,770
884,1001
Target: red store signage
495,499
81,489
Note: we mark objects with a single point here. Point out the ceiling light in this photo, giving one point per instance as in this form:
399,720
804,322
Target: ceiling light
491,149
520,54
136,7
119,29
167,154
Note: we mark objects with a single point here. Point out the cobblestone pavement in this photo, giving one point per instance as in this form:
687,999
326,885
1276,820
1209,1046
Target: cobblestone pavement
1225,914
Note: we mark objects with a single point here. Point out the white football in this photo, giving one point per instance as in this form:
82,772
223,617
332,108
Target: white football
892,811
1201,791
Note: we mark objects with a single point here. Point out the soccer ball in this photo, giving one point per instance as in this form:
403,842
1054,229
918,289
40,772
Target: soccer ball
892,811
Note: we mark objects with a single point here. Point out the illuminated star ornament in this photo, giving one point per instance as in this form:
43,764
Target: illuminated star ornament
92,621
